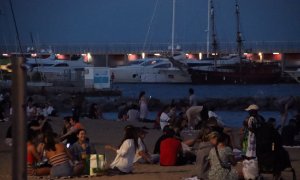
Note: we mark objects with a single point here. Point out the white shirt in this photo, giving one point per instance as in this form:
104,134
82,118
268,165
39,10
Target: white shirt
125,156
193,100
193,113
164,120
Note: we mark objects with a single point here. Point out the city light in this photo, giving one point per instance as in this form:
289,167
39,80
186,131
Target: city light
276,53
200,56
260,54
157,54
5,55
143,55
33,55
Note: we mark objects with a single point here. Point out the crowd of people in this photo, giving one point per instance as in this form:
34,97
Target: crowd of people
212,150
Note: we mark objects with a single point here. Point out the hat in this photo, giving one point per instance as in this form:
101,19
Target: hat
252,107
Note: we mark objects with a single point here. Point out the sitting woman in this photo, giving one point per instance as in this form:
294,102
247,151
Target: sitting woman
33,157
221,158
58,156
80,151
204,147
123,162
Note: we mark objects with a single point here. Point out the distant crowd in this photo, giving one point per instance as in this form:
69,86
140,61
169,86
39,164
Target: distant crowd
216,150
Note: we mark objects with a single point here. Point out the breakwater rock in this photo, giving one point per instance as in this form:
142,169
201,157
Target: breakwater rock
108,101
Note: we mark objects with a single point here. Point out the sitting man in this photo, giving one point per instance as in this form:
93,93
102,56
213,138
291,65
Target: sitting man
171,150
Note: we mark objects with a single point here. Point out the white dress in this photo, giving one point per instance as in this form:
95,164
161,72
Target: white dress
143,108
125,157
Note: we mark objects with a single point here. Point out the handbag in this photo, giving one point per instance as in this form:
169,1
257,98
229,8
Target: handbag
224,165
97,164
250,169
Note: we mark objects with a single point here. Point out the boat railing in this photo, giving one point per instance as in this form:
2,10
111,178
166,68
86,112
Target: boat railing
189,47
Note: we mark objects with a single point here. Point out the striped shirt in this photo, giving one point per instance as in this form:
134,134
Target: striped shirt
58,159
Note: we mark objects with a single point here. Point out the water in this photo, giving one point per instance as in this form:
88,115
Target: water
166,92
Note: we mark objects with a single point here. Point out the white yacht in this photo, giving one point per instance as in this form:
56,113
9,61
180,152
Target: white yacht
150,70
60,69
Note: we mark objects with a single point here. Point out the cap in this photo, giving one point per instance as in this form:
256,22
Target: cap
252,107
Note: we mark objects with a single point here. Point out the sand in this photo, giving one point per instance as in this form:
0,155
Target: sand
103,132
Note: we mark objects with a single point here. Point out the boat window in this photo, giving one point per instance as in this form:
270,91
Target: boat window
149,63
163,66
134,63
199,64
61,65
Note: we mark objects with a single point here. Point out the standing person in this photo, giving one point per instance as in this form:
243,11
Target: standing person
123,163
285,104
221,159
193,115
192,98
250,125
58,156
143,106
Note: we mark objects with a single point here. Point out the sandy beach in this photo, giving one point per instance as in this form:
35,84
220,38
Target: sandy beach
103,132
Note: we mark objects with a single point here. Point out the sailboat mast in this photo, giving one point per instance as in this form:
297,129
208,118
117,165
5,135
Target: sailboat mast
208,28
238,33
214,41
173,27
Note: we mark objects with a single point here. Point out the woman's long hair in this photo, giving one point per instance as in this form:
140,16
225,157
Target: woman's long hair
142,93
130,133
50,142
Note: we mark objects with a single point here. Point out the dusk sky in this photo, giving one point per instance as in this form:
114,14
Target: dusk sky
127,21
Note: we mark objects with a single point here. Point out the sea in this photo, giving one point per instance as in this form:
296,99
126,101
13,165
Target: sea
167,92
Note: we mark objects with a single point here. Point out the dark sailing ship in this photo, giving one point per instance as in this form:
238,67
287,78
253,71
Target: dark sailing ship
236,70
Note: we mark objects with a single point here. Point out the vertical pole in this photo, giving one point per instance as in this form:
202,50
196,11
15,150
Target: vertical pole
282,64
19,120
208,28
173,27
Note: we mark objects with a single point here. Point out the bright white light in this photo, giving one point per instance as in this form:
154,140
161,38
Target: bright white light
5,55
214,54
156,54
57,54
33,55
200,55
275,53
129,54
89,57
143,55
245,54
260,54
83,54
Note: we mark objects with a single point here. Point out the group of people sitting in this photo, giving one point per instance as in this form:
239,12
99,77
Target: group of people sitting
57,155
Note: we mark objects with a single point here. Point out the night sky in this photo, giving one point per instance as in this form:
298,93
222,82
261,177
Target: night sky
127,21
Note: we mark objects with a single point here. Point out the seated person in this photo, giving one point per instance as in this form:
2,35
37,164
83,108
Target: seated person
123,162
75,126
170,150
164,117
142,155
133,113
33,157
80,151
202,161
58,156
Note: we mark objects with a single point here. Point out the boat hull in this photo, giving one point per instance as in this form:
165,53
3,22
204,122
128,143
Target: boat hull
247,74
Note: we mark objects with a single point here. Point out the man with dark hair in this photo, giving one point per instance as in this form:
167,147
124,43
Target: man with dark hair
192,98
